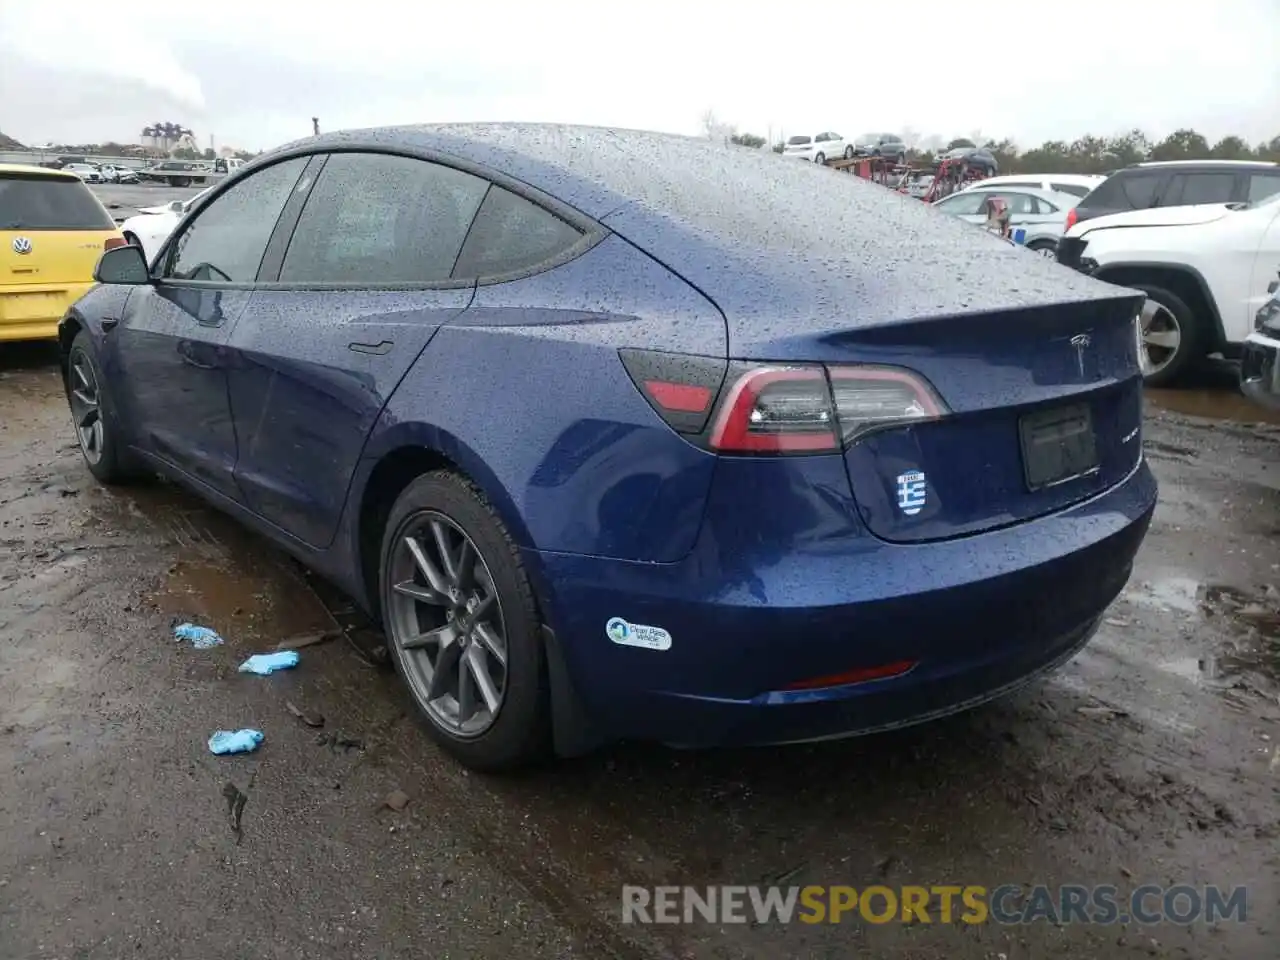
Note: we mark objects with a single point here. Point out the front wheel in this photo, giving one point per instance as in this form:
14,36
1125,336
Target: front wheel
461,625
1171,336
93,415
820,159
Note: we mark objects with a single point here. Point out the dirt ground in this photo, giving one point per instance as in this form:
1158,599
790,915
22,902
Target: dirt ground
1151,758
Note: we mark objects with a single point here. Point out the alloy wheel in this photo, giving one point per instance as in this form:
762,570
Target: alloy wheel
446,625
86,407
1161,337
1047,252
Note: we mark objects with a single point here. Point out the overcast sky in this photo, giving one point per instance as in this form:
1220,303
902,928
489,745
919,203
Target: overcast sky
253,74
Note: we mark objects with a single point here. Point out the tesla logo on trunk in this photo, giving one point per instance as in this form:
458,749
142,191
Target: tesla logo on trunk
1081,341
21,244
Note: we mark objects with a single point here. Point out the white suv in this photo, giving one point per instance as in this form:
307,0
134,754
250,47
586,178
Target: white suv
819,148
1206,270
1076,184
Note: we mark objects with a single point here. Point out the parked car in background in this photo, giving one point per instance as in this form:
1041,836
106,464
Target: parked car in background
916,183
1206,269
52,230
113,174
176,173
1042,213
819,148
358,346
151,226
888,145
85,171
1076,184
1179,183
1260,361
978,158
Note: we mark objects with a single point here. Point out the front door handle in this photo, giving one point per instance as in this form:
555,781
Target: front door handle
186,349
109,324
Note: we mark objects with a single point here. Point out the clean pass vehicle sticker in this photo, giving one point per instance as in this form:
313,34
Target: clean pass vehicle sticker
912,492
637,635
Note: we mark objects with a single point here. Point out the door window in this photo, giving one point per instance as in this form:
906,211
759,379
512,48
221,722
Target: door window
1187,189
1131,190
964,204
1075,189
380,219
510,235
1263,185
226,241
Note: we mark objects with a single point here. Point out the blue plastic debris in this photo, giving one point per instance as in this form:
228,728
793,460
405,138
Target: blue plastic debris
235,741
201,637
265,663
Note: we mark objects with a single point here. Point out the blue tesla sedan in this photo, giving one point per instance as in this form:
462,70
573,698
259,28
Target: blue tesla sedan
617,445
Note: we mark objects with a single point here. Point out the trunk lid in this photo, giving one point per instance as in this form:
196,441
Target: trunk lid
54,257
1045,410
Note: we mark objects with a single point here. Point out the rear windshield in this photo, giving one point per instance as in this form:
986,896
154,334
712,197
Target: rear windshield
47,203
797,141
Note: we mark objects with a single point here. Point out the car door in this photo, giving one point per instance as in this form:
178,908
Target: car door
362,285
172,334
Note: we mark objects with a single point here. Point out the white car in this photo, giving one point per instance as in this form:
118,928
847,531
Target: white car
86,172
1076,184
1206,270
818,148
113,174
1042,214
152,225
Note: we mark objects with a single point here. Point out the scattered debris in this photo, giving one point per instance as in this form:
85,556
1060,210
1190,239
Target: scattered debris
309,718
267,663
235,741
308,640
236,799
1102,712
336,742
202,638
1116,622
397,800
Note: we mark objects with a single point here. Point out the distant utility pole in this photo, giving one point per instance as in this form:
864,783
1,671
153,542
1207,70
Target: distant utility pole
315,126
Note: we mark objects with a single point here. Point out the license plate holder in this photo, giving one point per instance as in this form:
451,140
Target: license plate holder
1058,445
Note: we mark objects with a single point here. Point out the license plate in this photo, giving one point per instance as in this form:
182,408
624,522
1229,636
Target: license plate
1058,445
30,306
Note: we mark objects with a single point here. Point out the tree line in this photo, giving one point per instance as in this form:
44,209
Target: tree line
1091,154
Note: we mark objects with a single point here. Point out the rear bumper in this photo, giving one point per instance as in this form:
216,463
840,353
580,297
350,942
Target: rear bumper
32,311
1260,370
980,615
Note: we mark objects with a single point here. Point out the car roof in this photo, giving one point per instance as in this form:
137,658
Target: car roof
981,186
29,168
1203,163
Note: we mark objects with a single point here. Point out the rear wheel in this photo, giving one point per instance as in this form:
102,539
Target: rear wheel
461,624
1172,338
848,152
820,159
93,415
1045,248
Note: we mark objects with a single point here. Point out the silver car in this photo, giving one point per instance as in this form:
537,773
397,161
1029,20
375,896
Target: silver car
1042,214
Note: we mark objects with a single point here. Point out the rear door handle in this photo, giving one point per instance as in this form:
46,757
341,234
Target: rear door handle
109,324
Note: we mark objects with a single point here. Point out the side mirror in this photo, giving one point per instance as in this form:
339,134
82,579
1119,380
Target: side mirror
125,266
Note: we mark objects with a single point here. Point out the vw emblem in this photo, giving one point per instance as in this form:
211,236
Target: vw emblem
21,244
1081,341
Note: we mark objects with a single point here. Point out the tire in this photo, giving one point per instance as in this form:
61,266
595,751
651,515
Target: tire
517,732
93,415
1162,307
1045,248
848,153
820,159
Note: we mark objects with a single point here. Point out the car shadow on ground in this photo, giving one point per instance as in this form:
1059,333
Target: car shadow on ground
29,355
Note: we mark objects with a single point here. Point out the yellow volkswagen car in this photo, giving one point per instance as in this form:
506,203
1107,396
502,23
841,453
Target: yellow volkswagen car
52,231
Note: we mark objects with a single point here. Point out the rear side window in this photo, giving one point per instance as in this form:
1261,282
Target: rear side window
1263,185
33,202
226,240
1072,188
964,204
1188,189
379,219
510,235
797,141
1125,191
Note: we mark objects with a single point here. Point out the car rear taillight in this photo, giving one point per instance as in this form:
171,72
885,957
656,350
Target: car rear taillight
778,408
113,242
1072,217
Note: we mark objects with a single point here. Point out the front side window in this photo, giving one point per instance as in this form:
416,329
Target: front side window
1189,189
225,243
510,235
380,219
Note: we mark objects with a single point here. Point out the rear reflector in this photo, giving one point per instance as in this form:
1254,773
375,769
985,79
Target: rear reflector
680,387
113,242
679,397
864,675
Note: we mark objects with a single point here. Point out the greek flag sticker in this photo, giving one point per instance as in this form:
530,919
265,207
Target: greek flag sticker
912,492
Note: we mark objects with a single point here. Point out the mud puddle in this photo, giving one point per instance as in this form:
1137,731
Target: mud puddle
1213,403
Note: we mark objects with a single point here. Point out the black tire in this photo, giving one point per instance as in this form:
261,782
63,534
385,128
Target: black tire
113,464
519,734
820,159
1046,248
1192,346
848,152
